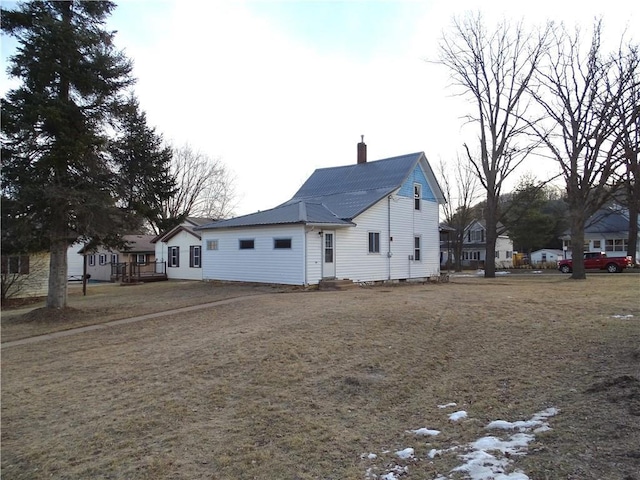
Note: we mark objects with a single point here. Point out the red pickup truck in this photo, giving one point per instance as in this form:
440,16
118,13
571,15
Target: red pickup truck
597,261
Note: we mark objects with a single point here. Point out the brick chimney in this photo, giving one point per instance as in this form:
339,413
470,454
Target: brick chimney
362,151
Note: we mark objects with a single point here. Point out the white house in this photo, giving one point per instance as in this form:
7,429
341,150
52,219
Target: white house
605,231
546,256
371,221
181,249
474,247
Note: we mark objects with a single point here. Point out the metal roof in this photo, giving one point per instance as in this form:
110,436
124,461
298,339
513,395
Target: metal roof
300,212
336,195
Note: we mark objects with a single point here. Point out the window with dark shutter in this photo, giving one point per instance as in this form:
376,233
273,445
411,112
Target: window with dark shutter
195,256
174,257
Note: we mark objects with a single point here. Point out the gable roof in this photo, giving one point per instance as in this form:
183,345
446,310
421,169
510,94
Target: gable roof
349,190
612,220
608,220
335,195
132,244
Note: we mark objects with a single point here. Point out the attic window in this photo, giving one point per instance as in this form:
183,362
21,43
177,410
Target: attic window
417,195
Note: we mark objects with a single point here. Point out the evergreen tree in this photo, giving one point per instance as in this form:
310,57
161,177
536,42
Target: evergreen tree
144,167
529,227
55,164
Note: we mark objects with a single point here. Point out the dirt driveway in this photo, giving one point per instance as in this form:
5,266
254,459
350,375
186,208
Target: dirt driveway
332,385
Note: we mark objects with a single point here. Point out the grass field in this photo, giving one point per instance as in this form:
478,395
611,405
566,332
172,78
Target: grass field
328,385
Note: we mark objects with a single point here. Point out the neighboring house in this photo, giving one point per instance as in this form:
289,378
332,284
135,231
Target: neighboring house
371,221
74,262
181,249
138,258
546,256
474,247
25,275
605,231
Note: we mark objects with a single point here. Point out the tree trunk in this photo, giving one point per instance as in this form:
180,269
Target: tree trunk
577,243
491,220
57,294
633,231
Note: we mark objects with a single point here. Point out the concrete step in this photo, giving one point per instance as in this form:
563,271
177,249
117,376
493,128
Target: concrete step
336,284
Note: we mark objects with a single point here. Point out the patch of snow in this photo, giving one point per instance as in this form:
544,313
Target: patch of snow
537,271
395,473
621,316
406,453
503,272
459,415
425,432
370,456
447,405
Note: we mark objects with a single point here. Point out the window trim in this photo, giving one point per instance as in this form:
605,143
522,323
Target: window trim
102,259
173,256
193,256
91,260
144,258
417,248
417,196
212,244
374,242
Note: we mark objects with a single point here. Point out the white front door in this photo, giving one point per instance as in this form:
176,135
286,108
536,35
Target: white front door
328,255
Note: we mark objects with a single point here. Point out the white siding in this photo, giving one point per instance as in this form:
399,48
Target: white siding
354,261
314,255
261,264
184,240
74,260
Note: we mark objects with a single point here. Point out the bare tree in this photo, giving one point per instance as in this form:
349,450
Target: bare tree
629,133
204,187
459,195
580,91
493,69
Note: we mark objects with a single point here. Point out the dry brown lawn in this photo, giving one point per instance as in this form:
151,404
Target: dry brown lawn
305,384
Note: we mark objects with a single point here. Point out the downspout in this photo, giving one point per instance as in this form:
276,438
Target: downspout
389,236
304,256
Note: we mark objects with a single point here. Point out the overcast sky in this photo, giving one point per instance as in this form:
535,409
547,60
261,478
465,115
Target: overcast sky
277,89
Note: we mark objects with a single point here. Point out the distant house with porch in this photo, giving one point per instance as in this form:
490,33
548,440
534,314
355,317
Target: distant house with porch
132,263
605,231
474,247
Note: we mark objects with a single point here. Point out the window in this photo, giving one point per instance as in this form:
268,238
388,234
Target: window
597,244
497,254
374,242
475,236
195,256
174,257
15,264
212,244
328,248
102,259
114,258
141,258
282,243
416,248
616,245
417,195
92,260
247,244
